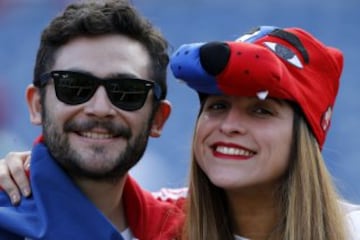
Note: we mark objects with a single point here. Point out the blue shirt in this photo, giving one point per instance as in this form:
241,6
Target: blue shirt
57,209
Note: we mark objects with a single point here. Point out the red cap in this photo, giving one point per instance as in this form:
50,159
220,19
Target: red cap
288,64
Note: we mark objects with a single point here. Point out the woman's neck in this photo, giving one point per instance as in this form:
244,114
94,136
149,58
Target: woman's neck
255,213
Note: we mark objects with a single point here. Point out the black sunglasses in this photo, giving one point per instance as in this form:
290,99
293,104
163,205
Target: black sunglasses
126,93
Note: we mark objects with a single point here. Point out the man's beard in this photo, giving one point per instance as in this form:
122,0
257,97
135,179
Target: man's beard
70,158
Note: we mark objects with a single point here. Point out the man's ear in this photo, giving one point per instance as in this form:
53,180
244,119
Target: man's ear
161,115
34,104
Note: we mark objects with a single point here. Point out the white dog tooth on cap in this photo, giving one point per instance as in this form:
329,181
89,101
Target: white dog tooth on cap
262,95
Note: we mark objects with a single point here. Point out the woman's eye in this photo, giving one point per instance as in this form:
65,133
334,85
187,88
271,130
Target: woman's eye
215,106
263,111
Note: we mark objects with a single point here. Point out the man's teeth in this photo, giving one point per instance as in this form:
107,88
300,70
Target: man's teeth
233,151
94,135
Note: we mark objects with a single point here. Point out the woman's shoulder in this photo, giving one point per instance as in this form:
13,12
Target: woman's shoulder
349,207
352,215
170,194
175,196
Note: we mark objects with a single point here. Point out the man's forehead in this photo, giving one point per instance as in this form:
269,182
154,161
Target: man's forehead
104,56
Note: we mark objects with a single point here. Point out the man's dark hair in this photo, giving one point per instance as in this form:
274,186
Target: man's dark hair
96,18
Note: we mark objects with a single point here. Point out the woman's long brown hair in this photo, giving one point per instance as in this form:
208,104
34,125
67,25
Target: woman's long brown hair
308,200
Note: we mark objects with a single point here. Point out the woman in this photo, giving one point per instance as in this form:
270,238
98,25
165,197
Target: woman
257,171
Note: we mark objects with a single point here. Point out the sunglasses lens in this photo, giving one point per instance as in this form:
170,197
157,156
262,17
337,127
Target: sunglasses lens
128,94
72,88
125,93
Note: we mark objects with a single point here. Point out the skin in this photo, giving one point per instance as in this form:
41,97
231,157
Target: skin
102,145
15,165
243,146
96,151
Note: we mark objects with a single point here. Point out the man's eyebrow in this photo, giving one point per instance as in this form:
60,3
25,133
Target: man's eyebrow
293,40
110,76
122,75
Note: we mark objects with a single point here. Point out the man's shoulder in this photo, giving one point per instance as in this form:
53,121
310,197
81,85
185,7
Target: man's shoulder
149,214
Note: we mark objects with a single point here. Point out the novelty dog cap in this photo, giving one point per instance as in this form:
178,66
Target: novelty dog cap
288,64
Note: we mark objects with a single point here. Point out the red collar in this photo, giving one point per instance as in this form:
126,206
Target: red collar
150,218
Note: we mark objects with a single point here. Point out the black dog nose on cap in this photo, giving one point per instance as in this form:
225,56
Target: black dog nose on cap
214,57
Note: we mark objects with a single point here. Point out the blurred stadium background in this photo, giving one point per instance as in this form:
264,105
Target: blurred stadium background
166,160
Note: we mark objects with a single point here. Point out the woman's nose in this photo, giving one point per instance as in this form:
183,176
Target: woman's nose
234,122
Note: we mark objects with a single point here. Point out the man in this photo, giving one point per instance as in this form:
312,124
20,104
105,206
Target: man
98,92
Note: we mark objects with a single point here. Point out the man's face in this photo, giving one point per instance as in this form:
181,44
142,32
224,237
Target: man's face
96,139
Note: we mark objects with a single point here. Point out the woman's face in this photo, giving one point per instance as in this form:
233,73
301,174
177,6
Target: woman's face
244,142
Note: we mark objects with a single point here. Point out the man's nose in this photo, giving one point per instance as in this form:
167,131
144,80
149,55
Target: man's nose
100,105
